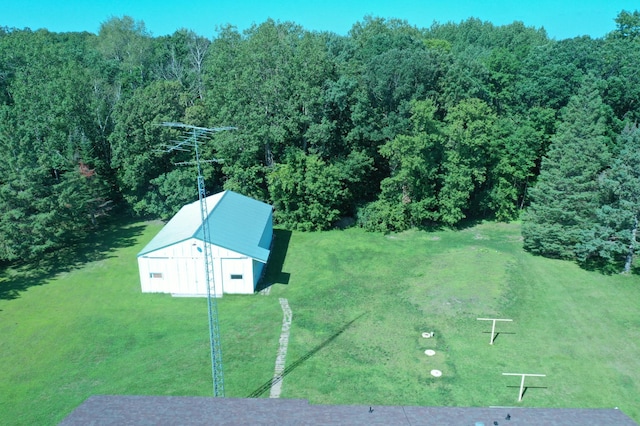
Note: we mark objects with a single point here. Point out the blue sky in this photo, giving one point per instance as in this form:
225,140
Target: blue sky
561,18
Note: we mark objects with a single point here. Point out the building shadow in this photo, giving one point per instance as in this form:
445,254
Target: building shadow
98,244
274,273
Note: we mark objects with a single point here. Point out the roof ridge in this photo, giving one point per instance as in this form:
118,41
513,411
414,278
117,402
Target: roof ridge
209,213
231,221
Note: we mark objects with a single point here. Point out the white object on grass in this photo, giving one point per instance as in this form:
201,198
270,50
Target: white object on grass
493,327
522,381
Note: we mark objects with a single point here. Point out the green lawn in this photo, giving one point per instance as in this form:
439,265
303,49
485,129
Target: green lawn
360,302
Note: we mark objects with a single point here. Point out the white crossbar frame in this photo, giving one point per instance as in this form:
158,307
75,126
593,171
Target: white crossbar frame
493,327
522,381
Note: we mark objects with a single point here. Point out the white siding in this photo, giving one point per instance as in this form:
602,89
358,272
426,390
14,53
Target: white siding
236,276
152,275
179,270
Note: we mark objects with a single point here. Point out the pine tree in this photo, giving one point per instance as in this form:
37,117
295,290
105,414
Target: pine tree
566,196
612,239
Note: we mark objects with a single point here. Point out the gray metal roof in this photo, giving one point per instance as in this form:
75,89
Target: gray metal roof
171,410
235,222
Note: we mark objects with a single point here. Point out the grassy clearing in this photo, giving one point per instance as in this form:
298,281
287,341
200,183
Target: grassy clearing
90,331
360,303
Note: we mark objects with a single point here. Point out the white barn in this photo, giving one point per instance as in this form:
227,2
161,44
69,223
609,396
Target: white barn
241,232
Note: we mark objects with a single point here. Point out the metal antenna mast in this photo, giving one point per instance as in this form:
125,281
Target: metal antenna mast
191,141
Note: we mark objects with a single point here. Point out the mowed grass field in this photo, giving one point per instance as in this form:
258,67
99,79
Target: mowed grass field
360,303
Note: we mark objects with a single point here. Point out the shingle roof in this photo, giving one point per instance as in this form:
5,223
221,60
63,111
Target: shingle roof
171,410
235,222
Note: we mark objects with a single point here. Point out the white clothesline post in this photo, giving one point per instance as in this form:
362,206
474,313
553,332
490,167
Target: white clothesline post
493,327
522,381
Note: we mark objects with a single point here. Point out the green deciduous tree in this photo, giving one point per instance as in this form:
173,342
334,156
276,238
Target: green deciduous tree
270,83
627,25
180,57
621,56
517,146
308,193
406,126
408,198
469,132
138,143
126,43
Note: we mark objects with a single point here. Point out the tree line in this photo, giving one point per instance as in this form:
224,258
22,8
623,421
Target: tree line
390,127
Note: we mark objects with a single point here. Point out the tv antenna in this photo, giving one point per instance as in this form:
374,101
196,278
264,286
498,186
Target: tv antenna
193,136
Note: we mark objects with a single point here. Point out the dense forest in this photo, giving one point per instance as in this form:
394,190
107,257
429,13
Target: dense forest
388,128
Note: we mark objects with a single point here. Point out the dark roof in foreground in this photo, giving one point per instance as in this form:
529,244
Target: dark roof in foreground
172,410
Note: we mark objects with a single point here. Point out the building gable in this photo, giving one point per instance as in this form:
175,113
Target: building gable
235,222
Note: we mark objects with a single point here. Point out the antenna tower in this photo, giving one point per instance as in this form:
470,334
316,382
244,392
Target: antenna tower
193,136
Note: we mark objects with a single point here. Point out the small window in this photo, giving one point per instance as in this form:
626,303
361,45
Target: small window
236,276
155,275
